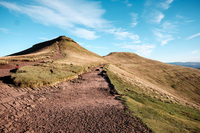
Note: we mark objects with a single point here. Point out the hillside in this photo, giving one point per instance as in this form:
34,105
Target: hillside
64,56
64,46
156,92
180,81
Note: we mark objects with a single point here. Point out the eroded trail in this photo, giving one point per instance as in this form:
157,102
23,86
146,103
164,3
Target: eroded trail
81,105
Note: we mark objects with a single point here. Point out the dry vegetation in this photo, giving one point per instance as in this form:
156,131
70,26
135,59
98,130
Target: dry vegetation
65,57
157,93
181,82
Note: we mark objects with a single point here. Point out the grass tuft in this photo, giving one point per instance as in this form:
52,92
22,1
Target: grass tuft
40,74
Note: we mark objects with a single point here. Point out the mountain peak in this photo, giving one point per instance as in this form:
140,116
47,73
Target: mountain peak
64,38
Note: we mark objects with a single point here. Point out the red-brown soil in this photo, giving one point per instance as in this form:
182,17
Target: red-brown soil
81,105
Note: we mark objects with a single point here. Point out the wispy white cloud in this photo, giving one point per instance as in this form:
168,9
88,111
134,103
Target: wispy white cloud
134,19
195,52
144,49
168,27
44,38
178,16
84,33
159,4
165,4
128,4
119,33
154,10
156,16
64,14
164,33
122,34
153,16
81,12
4,30
163,38
193,36
184,19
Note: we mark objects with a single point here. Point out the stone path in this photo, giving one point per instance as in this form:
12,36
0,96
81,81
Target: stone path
87,104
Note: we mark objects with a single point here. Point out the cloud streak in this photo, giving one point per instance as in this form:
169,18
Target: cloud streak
163,38
144,49
156,16
84,33
66,15
195,52
193,36
134,19
122,34
4,30
165,4
154,10
153,16
128,4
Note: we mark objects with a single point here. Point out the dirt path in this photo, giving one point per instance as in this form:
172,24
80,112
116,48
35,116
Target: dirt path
82,105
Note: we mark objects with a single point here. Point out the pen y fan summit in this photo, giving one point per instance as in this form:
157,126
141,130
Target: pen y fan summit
59,48
52,61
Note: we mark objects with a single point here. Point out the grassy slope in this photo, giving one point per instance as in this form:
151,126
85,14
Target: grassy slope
146,87
179,81
75,54
74,61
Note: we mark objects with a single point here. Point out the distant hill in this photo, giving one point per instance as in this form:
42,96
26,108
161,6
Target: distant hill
187,64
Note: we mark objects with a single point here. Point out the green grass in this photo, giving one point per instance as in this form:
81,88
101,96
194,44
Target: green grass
40,75
159,116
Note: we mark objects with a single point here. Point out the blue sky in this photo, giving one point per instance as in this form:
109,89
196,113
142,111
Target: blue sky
163,30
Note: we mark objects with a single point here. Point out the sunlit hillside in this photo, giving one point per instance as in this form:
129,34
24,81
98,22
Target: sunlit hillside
156,92
65,57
